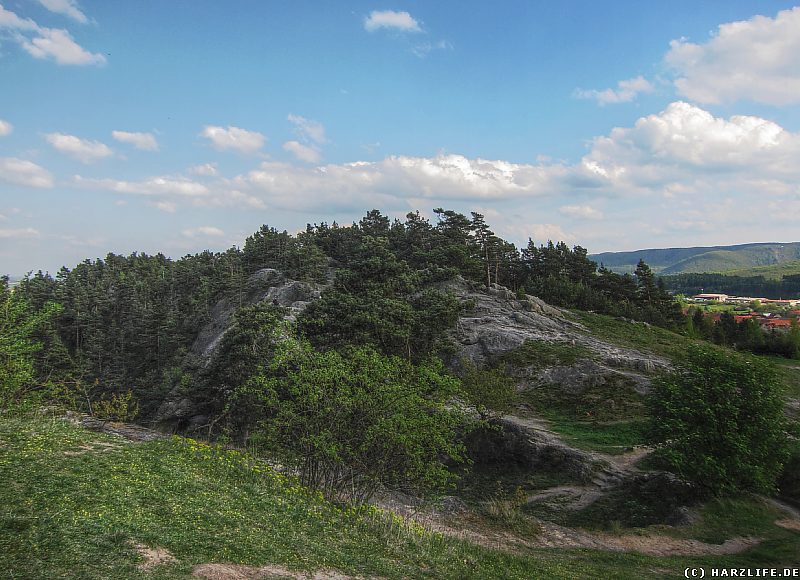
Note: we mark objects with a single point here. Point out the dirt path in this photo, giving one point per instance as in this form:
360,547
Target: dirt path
126,430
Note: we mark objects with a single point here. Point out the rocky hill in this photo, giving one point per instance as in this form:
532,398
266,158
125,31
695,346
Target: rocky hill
545,349
495,323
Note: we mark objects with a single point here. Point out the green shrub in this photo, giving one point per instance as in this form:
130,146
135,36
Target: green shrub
718,422
352,422
120,407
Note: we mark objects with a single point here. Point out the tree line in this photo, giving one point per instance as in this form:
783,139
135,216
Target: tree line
757,286
746,335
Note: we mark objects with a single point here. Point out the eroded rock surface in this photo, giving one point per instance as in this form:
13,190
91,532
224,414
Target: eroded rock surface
499,322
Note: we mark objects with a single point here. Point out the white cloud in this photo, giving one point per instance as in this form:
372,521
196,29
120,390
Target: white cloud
21,172
68,8
83,150
684,145
7,233
392,20
309,130
203,231
302,152
155,186
11,21
584,212
143,141
58,45
754,59
44,43
5,128
677,156
234,138
206,170
625,92
539,233
362,183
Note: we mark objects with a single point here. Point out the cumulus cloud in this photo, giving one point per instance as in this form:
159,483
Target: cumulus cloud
47,43
354,185
678,155
625,92
203,231
22,172
584,212
234,138
58,45
684,145
391,20
5,128
6,233
205,169
302,152
143,141
539,233
68,8
9,20
754,59
154,186
83,150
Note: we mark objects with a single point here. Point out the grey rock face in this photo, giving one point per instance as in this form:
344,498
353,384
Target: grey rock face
265,285
500,322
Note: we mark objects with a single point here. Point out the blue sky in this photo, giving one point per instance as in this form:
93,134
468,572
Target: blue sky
184,125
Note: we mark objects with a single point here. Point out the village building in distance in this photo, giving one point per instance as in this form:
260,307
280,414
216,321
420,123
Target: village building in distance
765,319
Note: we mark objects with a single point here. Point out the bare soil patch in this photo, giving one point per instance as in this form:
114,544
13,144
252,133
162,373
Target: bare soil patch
153,557
241,572
789,524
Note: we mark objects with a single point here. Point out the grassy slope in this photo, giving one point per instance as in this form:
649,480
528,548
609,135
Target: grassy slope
587,421
70,506
74,501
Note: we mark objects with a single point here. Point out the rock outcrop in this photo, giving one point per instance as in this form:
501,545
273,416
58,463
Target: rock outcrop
266,285
179,410
497,322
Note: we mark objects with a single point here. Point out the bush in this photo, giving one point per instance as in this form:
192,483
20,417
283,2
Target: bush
120,407
718,422
353,422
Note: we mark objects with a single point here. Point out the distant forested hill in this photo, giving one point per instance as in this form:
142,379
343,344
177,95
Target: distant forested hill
702,259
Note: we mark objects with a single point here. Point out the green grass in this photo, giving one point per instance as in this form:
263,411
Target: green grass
541,354
648,338
72,502
611,438
610,417
71,508
719,520
789,373
745,516
671,345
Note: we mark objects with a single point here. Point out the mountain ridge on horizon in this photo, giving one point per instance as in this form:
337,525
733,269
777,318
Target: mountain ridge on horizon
698,259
